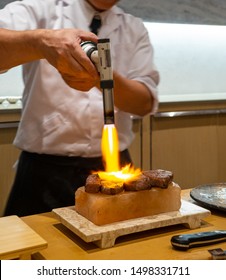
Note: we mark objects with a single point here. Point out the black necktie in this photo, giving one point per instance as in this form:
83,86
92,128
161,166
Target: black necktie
95,24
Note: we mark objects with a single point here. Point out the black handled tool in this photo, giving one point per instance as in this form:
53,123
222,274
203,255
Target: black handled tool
186,241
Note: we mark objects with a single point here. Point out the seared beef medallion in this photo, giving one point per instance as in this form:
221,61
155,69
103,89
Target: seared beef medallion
93,183
109,188
139,183
146,180
159,178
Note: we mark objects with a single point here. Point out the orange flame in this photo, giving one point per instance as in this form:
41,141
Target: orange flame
125,174
110,148
110,152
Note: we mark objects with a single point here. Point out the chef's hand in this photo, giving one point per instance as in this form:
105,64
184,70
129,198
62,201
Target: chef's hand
62,49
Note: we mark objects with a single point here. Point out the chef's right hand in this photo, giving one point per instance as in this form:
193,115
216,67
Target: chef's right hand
62,49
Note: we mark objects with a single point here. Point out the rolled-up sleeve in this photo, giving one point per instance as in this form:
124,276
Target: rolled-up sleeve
138,58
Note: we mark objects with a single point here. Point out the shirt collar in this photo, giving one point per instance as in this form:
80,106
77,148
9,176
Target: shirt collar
107,17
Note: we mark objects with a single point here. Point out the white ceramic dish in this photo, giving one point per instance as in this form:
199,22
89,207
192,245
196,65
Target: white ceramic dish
13,99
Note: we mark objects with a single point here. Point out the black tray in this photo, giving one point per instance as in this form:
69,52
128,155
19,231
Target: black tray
211,196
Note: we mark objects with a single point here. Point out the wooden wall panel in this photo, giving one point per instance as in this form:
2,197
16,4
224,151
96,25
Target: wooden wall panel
192,147
8,156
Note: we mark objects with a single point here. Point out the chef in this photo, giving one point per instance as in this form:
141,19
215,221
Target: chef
62,107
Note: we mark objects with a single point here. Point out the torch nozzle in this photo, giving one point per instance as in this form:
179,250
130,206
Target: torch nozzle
108,106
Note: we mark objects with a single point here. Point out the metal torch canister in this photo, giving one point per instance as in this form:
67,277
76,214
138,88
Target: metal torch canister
100,54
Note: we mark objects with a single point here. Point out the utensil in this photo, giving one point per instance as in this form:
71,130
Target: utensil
186,241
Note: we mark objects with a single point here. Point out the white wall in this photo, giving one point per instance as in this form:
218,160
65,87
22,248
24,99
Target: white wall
11,83
191,60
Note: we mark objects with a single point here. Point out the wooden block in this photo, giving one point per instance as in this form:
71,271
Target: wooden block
17,239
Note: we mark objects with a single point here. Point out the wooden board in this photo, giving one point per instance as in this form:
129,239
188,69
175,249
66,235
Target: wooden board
104,236
18,240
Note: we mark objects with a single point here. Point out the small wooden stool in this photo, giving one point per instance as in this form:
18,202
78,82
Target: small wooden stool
18,240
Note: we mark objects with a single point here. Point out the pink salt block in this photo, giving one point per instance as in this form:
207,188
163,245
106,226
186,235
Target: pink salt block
103,209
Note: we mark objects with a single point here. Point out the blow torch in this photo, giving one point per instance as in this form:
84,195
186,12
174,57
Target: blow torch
100,55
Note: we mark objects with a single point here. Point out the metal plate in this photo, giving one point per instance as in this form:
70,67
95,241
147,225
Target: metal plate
211,196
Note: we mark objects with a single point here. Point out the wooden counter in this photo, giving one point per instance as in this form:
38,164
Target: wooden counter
149,245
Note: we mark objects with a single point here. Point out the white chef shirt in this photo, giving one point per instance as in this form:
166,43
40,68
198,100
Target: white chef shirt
57,119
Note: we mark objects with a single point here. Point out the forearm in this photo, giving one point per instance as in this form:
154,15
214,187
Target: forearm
132,96
61,48
17,47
